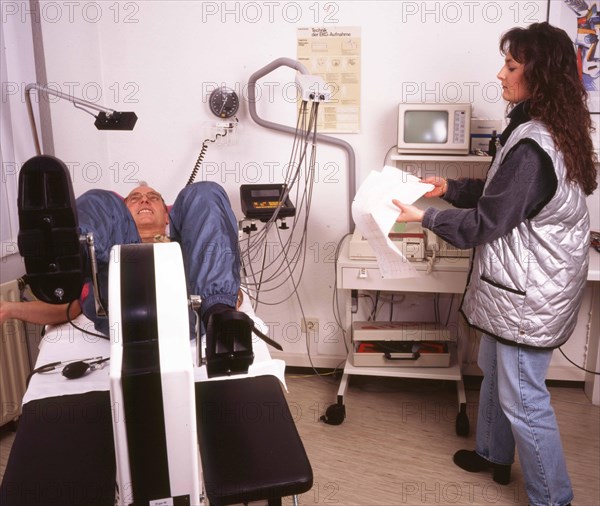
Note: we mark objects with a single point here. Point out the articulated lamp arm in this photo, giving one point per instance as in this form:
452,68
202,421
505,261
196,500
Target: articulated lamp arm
107,119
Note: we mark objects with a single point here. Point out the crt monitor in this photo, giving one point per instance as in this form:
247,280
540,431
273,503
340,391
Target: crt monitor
434,128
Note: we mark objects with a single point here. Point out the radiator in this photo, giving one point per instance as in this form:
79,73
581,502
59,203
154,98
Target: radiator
14,360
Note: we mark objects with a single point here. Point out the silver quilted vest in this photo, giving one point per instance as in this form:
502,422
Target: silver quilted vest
527,286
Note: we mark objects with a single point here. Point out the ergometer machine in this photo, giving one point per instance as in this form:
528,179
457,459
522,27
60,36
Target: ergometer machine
151,377
159,413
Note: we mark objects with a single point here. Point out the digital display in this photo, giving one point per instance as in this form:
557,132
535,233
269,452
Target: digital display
266,204
426,127
269,192
262,201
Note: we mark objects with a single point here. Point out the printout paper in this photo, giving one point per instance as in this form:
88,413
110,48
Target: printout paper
374,215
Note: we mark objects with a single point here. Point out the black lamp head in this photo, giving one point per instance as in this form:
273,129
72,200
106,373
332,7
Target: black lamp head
115,120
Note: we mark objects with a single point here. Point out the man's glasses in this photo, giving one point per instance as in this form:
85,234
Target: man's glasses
136,197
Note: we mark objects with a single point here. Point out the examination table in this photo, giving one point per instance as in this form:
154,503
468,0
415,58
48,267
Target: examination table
63,453
151,403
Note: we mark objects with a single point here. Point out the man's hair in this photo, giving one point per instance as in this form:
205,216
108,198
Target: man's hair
558,97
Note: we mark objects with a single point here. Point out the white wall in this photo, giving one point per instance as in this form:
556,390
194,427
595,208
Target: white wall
159,58
16,69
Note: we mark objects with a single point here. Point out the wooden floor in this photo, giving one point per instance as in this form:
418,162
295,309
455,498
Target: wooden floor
396,444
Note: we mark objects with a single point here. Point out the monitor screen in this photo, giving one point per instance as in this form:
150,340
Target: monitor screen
426,127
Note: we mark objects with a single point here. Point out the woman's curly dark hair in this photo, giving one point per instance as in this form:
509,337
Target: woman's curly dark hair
558,98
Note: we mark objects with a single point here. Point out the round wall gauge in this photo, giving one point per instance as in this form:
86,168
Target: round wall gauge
224,102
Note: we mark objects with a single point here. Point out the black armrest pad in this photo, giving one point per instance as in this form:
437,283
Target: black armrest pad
250,447
63,454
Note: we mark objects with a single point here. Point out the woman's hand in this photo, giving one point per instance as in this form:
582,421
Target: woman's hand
408,213
441,186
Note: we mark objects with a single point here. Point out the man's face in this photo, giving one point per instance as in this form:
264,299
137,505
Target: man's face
148,210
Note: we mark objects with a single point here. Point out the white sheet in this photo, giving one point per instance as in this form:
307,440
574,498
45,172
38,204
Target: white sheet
375,214
63,342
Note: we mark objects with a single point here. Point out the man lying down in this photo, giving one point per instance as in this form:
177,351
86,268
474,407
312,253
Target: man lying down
201,221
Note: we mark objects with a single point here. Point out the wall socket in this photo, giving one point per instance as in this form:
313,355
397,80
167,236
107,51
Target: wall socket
309,324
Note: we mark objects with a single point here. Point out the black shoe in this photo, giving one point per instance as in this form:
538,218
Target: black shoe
472,462
48,230
228,343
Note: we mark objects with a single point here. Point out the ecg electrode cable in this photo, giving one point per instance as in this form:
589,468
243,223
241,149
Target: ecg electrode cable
305,135
81,329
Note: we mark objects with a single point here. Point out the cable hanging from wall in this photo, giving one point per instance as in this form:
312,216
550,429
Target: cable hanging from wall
268,270
274,257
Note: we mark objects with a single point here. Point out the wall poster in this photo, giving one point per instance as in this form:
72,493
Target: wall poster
334,54
581,20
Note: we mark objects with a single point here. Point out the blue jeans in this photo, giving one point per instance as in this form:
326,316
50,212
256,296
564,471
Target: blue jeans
201,220
514,409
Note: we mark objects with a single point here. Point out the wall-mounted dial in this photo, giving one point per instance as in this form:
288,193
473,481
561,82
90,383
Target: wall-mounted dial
224,102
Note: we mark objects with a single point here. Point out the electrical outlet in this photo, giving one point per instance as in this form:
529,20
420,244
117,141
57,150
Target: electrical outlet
309,324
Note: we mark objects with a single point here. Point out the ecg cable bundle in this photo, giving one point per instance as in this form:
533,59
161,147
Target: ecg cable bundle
288,263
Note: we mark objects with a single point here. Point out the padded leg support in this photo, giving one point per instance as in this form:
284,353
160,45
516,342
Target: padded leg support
249,445
48,230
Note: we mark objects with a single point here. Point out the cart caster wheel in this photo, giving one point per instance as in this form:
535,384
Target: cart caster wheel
334,415
462,421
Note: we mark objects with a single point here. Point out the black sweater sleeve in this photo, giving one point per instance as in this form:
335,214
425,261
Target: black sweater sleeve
464,193
522,185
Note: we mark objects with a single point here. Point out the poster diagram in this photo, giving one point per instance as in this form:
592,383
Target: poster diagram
334,55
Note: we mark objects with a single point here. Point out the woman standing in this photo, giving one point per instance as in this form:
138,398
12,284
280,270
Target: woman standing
529,225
